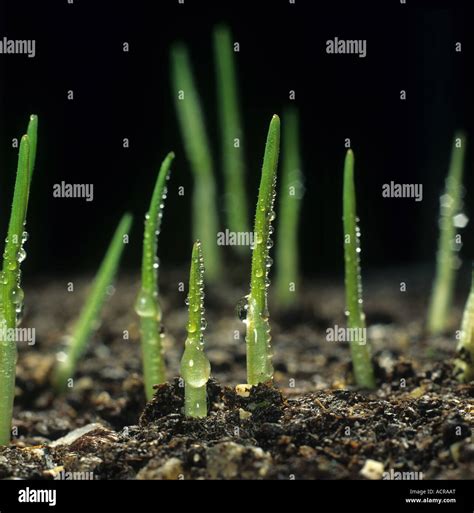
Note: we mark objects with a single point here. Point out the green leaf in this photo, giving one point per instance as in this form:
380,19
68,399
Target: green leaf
195,367
291,192
147,305
464,363
67,361
259,354
197,147
360,349
32,134
233,163
11,294
446,257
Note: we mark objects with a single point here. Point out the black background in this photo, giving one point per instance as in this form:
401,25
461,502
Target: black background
119,95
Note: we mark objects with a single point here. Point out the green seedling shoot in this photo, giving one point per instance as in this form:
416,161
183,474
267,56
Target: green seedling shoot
197,148
360,349
231,132
89,316
291,192
259,352
450,219
464,363
147,305
11,294
195,367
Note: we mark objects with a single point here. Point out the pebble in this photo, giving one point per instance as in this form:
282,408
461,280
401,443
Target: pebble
372,469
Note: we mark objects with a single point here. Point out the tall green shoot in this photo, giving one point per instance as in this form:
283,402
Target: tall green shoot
87,322
446,257
11,294
259,352
231,132
147,305
195,367
464,362
291,191
197,147
360,349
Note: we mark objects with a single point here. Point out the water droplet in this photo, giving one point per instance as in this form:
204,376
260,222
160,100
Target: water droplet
460,220
145,306
242,308
17,295
21,255
195,374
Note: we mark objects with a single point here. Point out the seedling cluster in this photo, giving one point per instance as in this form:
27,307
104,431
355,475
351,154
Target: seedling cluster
195,366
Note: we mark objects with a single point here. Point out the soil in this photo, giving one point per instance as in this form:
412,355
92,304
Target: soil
312,423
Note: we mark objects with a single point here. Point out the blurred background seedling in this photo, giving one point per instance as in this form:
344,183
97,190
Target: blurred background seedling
67,360
198,152
451,219
231,132
290,198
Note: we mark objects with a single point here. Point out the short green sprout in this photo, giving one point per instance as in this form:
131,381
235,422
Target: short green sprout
291,192
259,352
464,363
197,147
195,367
87,322
446,257
360,349
147,305
231,131
11,294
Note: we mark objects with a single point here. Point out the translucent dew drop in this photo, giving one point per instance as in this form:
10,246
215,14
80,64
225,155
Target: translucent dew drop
21,255
195,367
460,220
145,306
16,296
242,307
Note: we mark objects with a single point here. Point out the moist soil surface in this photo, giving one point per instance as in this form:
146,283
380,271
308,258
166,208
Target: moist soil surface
311,423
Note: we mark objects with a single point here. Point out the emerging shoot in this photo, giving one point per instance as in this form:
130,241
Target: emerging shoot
197,147
11,294
446,258
360,349
259,352
464,363
291,191
231,131
87,322
195,367
147,305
